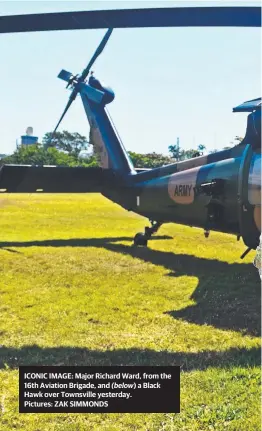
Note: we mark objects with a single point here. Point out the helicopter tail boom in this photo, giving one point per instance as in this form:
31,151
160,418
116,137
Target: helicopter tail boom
53,179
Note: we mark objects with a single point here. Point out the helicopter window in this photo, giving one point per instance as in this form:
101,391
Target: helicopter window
254,181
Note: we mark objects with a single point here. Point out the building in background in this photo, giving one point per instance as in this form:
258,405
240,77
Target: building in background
28,138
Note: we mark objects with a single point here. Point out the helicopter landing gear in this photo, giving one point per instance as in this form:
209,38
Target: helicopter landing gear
141,239
206,233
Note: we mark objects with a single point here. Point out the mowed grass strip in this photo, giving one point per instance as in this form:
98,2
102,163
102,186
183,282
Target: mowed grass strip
74,291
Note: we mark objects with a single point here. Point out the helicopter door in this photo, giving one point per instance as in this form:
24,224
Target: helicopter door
250,197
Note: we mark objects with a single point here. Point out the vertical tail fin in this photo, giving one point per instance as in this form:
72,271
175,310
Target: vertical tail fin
109,149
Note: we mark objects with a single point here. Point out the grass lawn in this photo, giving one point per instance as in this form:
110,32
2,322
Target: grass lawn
73,291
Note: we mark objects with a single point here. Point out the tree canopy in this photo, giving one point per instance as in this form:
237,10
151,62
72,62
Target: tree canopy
39,155
71,143
67,149
179,153
150,160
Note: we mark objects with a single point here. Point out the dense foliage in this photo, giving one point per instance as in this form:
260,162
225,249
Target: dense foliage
150,160
179,153
69,149
71,143
39,155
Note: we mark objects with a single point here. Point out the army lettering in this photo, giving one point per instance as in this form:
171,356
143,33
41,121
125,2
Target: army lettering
183,190
182,186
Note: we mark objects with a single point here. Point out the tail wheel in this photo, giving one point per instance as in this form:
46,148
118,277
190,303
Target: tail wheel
140,239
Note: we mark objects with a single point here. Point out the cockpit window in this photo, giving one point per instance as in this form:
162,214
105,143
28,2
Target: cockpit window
254,181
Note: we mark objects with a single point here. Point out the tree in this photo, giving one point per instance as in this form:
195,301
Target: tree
189,154
149,160
89,160
71,143
195,153
38,155
179,154
201,148
238,139
175,151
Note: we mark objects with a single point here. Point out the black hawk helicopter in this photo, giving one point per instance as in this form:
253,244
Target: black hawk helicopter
221,191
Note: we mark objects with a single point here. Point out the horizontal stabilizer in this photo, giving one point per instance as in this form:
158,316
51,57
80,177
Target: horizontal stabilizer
53,179
64,75
248,106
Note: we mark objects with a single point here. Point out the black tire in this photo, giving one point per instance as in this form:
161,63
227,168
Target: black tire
140,239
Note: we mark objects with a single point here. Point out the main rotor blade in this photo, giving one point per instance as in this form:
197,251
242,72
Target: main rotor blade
96,54
70,101
222,16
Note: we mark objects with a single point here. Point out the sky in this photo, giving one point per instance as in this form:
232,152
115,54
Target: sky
169,83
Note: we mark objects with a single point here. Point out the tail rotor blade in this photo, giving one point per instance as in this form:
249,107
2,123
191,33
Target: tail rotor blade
70,101
96,54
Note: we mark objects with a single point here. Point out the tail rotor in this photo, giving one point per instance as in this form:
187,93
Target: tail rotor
75,81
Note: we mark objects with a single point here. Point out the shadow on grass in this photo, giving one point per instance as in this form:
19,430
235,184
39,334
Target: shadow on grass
35,355
71,242
227,295
10,250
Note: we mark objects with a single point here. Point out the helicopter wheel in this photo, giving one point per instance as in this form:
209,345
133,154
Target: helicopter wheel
140,239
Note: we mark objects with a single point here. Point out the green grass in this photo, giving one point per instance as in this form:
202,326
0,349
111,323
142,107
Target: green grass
73,291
